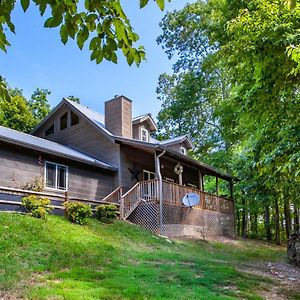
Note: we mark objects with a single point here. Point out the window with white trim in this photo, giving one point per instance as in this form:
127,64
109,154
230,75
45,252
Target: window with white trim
56,176
144,135
183,150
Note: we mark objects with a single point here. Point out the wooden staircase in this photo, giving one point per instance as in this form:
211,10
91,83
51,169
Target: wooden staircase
143,191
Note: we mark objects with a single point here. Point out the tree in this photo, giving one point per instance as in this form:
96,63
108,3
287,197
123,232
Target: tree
101,23
39,105
236,51
18,113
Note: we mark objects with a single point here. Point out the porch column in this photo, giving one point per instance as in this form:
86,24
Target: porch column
201,186
217,186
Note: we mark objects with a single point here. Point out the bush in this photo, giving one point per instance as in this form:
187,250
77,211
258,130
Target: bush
77,212
37,207
106,213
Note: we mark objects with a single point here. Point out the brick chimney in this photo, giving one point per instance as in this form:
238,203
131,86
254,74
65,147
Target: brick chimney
118,116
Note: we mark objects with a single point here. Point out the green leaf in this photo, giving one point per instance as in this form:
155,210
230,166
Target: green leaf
161,4
24,4
64,34
94,43
82,36
143,3
53,22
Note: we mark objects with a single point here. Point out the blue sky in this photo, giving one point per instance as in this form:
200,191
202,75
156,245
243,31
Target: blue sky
37,58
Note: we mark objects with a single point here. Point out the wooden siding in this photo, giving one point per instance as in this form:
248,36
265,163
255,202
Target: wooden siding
84,137
136,130
139,160
19,166
136,160
190,175
177,147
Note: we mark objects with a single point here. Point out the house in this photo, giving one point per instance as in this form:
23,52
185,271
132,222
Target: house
81,154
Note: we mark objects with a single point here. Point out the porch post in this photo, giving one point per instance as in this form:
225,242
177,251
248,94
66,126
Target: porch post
217,185
201,187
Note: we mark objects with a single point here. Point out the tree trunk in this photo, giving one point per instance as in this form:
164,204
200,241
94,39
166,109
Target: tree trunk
287,216
244,219
267,224
277,222
238,222
296,218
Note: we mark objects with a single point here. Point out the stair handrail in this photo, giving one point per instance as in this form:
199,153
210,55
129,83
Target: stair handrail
110,197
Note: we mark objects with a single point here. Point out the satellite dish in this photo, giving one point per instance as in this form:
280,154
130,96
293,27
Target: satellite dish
191,199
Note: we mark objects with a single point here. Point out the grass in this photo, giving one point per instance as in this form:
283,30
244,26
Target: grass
55,259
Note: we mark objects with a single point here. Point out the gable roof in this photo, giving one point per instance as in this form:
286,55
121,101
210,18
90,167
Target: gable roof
46,146
178,140
146,117
92,116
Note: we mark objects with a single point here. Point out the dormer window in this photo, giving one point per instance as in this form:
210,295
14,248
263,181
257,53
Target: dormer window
183,150
144,135
64,121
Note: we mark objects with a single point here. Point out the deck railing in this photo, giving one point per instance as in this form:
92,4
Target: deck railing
173,193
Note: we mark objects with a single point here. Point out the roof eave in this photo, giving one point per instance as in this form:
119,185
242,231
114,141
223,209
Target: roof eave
52,152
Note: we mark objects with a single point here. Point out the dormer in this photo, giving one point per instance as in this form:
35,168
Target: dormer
142,126
179,144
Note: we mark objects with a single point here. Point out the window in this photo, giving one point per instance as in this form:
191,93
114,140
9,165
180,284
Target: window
64,121
147,175
50,130
183,150
144,135
56,176
74,119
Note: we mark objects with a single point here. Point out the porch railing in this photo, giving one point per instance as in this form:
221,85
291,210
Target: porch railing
172,193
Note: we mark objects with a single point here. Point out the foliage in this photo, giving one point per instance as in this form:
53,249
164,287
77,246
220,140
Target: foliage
63,258
235,90
16,112
37,184
101,24
73,98
39,105
77,212
106,213
37,207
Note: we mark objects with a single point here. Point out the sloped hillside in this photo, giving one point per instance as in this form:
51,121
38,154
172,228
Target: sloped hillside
55,259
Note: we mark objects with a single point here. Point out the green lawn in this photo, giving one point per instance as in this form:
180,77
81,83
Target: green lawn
55,259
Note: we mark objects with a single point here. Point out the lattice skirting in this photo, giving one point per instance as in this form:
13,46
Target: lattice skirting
184,221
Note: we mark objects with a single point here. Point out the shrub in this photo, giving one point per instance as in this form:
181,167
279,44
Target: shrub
77,212
106,213
37,207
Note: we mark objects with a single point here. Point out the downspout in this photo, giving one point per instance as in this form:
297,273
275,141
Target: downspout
160,193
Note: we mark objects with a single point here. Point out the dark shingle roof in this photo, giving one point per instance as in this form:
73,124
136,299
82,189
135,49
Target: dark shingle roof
46,146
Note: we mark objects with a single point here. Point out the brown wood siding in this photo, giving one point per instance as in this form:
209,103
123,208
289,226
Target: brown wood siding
189,175
19,166
84,137
136,160
136,129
